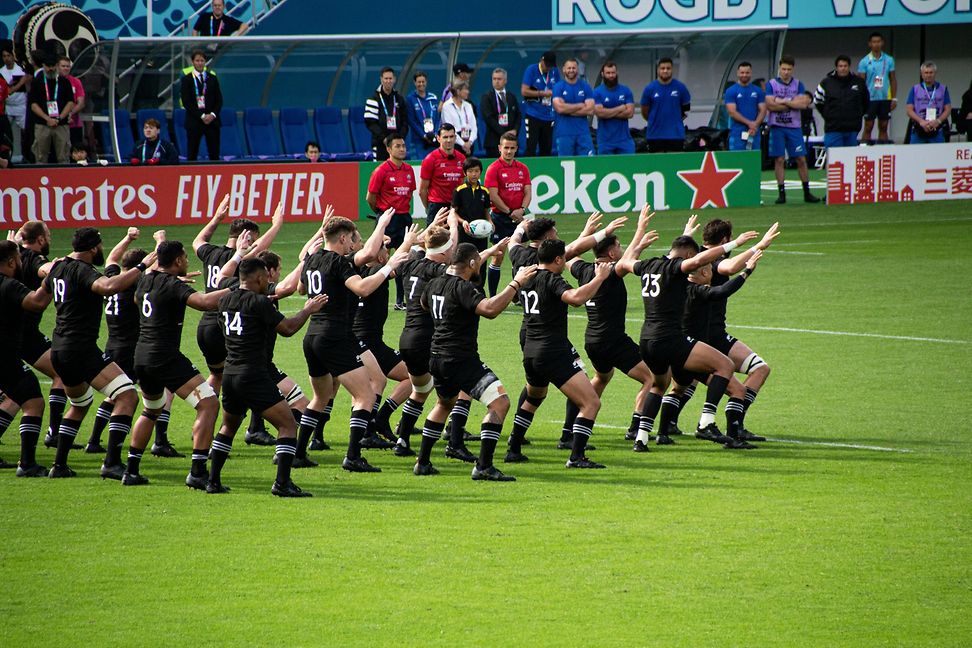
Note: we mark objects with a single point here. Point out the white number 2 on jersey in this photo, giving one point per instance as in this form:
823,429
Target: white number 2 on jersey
233,323
531,302
650,285
438,303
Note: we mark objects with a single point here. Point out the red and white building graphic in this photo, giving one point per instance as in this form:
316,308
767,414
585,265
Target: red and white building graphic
899,173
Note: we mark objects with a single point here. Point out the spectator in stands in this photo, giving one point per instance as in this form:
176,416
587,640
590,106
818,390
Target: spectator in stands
614,106
152,149
217,23
573,102
929,106
877,70
202,99
459,112
665,103
312,151
16,80
460,72
75,128
501,112
786,96
79,155
423,116
51,100
746,104
385,114
5,130
842,99
537,90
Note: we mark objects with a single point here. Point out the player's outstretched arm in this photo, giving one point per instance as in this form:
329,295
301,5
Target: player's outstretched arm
735,264
288,285
244,243
369,251
492,307
37,300
105,286
117,252
287,327
584,243
626,263
728,289
489,252
206,301
364,286
265,241
578,296
691,225
710,255
203,237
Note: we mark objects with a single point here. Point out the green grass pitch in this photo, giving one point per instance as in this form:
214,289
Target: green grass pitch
854,531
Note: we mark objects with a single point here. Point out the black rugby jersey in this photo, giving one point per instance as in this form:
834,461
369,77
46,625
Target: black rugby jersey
78,308
12,295
30,264
325,273
452,303
607,309
161,300
213,257
249,322
663,290
371,311
416,273
523,255
121,315
544,315
701,303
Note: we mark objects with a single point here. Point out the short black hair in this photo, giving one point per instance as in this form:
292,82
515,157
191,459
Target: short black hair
391,137
716,230
876,34
270,259
241,225
6,46
685,242
665,60
744,64
418,74
195,53
787,59
472,163
9,249
549,58
550,250
169,252
311,143
842,57
445,127
465,252
601,248
536,228
132,258
250,266
78,147
387,68
85,238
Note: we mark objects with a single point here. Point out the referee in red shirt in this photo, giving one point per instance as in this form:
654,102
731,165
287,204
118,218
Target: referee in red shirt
441,173
510,191
391,186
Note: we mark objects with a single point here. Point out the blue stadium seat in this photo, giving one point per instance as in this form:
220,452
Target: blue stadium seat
478,148
294,131
230,142
182,140
360,135
261,138
521,137
149,113
123,125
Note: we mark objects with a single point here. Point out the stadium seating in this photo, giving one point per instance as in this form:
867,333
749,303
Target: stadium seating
230,142
294,130
360,135
182,140
332,135
262,139
478,149
149,113
123,126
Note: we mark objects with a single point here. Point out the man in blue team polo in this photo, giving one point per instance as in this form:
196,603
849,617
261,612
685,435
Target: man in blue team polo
746,104
573,103
877,70
423,117
664,104
614,106
538,114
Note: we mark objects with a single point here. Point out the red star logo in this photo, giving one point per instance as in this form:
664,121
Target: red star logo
709,183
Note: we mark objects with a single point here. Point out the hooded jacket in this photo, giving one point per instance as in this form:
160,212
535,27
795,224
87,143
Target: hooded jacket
842,102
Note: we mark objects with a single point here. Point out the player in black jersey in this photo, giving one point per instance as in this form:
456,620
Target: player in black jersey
666,350
332,352
456,303
161,297
17,381
607,344
250,321
78,289
547,353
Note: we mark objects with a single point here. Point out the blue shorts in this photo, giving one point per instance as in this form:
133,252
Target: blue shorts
786,141
834,139
615,148
736,142
575,144
920,137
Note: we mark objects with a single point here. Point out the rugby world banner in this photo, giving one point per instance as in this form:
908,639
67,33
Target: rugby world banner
899,173
622,183
173,195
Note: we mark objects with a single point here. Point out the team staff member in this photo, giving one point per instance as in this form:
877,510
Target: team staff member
51,102
664,104
152,149
841,99
929,106
573,102
385,113
785,98
538,114
391,186
74,123
202,99
510,191
423,115
217,23
613,106
441,172
746,104
877,70
501,112
459,112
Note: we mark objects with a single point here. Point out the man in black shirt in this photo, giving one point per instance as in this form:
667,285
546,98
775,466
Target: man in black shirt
456,303
78,290
250,321
501,112
666,350
51,99
548,353
217,23
162,297
385,112
331,351
17,381
203,101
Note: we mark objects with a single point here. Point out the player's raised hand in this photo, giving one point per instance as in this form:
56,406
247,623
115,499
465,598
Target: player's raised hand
648,239
223,209
746,236
245,241
691,225
132,233
523,274
593,222
645,216
385,218
768,237
441,216
150,259
400,256
615,225
411,235
314,304
602,270
278,214
501,245
754,259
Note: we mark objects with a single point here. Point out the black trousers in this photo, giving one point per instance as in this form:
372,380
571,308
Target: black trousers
539,136
195,133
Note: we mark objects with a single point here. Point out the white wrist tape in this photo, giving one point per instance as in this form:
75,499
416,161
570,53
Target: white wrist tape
386,271
599,236
730,246
237,258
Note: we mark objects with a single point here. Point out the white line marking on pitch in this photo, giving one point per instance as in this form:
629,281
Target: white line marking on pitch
797,252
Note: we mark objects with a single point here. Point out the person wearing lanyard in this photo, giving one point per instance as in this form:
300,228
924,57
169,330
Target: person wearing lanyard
202,99
441,173
153,149
385,113
217,23
64,65
460,72
459,112
877,70
423,116
51,101
537,90
573,102
929,106
501,112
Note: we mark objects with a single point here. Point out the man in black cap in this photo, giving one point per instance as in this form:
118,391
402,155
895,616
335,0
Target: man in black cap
538,113
460,72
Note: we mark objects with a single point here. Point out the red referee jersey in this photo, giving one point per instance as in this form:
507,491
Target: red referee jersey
393,186
510,180
444,173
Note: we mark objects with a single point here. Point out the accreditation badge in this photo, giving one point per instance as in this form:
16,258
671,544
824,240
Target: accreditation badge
465,133
200,102
878,82
52,109
391,123
427,125
504,119
931,113
547,101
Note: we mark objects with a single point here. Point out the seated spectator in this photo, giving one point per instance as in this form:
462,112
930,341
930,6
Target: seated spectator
929,105
79,155
459,112
217,23
312,151
152,149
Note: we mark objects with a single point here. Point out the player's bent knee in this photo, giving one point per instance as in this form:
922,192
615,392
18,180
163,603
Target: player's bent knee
295,395
118,387
84,400
752,363
155,403
422,389
202,391
491,393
